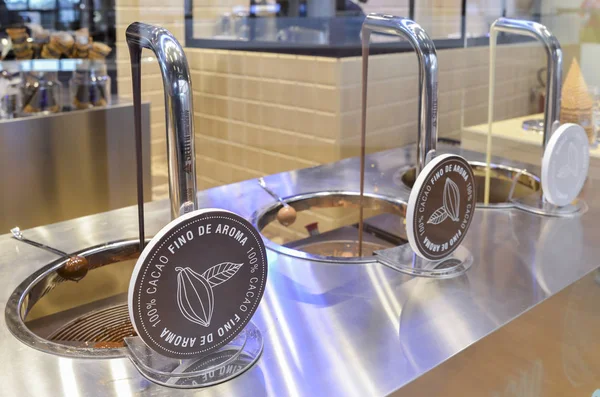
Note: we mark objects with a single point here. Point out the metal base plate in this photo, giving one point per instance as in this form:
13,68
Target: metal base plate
537,205
213,368
403,259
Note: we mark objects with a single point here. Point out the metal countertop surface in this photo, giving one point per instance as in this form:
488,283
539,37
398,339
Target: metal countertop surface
329,329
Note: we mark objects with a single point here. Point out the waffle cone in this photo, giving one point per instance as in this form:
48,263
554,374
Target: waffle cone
577,102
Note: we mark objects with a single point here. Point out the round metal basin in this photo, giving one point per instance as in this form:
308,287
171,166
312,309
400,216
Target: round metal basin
502,180
336,215
83,319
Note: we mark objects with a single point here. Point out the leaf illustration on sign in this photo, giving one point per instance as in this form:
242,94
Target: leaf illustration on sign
570,167
438,216
195,297
220,273
451,204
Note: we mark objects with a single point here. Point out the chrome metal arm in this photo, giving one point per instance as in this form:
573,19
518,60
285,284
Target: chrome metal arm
554,59
179,111
428,76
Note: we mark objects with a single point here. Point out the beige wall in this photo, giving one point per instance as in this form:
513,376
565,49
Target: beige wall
259,113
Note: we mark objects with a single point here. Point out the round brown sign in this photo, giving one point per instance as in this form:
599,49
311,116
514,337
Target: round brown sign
440,207
197,283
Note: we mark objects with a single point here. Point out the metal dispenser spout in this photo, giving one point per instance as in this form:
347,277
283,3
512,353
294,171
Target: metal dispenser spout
555,58
428,76
179,109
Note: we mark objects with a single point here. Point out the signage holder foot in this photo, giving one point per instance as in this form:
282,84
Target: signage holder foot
536,205
210,369
404,259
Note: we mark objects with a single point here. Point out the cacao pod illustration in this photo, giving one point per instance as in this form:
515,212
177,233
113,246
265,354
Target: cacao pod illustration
570,168
195,297
452,199
451,204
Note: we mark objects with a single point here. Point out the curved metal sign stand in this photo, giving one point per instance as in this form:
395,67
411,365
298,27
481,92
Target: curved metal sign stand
442,200
548,202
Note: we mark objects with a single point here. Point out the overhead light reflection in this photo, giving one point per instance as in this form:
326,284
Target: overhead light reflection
388,301
348,365
278,347
461,334
120,378
285,330
67,377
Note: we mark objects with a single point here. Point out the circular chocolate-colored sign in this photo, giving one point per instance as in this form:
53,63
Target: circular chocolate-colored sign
197,283
440,207
565,164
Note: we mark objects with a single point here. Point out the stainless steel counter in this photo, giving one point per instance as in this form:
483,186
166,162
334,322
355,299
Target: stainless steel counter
329,329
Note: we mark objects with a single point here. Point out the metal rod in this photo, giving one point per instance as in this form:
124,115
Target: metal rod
179,112
135,53
366,36
428,77
262,184
16,232
554,61
553,79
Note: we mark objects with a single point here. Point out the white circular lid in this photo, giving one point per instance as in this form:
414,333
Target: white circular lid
565,164
440,207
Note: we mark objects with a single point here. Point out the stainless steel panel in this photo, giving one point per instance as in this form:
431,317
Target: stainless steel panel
552,350
343,329
68,165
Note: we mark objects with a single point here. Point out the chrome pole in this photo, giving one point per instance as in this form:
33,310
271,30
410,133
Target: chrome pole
179,112
428,77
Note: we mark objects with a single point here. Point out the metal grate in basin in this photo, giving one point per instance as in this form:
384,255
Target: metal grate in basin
106,325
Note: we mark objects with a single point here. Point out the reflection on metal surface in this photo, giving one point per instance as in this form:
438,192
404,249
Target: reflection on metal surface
444,302
68,378
557,246
120,385
336,210
281,339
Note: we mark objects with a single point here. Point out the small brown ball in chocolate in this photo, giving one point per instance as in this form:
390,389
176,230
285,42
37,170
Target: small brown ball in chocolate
75,269
286,215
